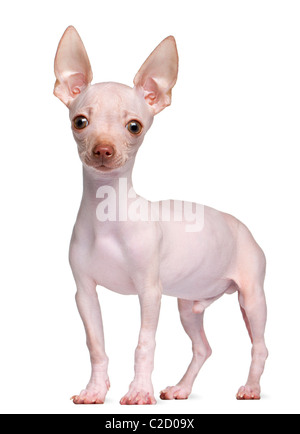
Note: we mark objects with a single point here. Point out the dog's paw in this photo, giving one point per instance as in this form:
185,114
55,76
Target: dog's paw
88,397
92,395
248,392
139,398
175,392
139,395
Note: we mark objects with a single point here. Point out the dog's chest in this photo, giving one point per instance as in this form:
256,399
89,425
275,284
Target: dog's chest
102,259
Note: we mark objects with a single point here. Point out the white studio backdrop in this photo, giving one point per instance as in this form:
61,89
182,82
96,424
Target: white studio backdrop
229,140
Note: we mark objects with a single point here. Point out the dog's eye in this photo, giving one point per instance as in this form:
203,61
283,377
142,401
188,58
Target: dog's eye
134,127
80,122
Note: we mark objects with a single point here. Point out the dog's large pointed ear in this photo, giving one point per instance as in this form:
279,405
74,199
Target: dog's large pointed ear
71,67
158,75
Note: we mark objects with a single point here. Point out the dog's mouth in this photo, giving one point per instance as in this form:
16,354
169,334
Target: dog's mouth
102,166
99,166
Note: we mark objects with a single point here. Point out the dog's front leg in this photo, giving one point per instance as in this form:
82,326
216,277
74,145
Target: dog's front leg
90,312
141,389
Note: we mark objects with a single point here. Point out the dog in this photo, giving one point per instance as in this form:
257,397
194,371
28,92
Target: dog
129,245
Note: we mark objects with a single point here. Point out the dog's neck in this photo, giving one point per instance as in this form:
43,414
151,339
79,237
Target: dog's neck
120,180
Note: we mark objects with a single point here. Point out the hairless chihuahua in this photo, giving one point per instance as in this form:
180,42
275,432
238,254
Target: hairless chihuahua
132,246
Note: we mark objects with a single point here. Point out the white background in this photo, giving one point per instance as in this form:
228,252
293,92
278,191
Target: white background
229,140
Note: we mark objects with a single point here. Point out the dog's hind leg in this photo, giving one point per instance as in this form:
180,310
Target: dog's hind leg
254,310
253,306
193,325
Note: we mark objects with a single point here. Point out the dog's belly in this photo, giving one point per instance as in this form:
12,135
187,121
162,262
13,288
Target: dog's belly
199,265
189,287
195,286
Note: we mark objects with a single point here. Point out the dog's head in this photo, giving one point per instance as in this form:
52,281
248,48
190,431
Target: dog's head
110,120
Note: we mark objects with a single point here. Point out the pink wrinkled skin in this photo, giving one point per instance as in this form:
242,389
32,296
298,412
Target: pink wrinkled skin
148,258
